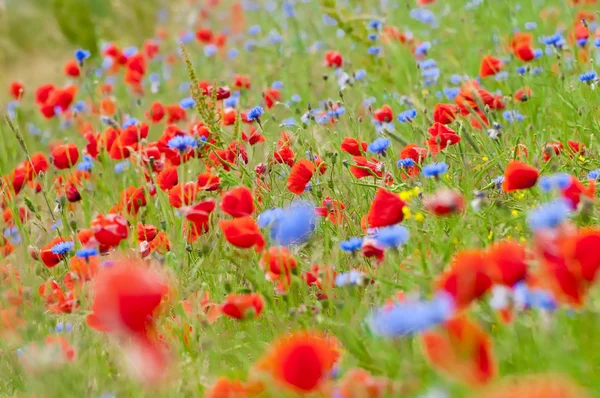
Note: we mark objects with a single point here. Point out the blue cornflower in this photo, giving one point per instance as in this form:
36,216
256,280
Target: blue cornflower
411,316
87,253
435,169
254,30
404,163
290,121
80,107
230,102
526,297
85,165
130,51
351,245
554,40
327,20
451,92
393,236
379,145
594,175
277,85
582,42
501,76
536,71
62,248
549,215
292,225
340,33
428,63
121,166
255,113
375,24
250,45
558,181
210,50
407,116
597,42
498,182
350,278
12,234
288,9
233,53
456,79
81,55
513,116
587,77
371,37
538,53
107,62
521,70
360,74
186,37
530,25
187,103
423,48
296,98
374,50
423,15
131,121
183,143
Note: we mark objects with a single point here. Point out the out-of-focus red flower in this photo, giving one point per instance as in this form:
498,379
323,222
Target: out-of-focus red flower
444,202
65,156
183,194
243,306
467,278
519,175
300,176
48,257
167,178
444,113
386,209
333,59
208,181
226,388
17,90
109,230
72,68
490,66
384,114
575,191
243,232
238,202
156,113
508,262
535,386
353,146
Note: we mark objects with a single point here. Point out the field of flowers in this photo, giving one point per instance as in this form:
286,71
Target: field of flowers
326,198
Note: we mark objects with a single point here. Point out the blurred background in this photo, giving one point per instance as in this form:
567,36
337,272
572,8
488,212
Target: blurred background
36,36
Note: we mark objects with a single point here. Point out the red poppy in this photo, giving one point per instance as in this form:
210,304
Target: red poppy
445,202
333,59
535,386
467,279
243,232
156,112
109,230
285,155
300,176
271,96
359,383
42,93
519,176
145,231
160,244
255,136
84,269
576,147
243,306
167,178
277,263
204,35
72,69
332,209
444,113
65,156
462,351
124,307
441,137
490,66
200,212
175,113
238,202
383,114
300,362
576,190
353,146
226,388
72,193
524,52
57,301
523,94
17,89
132,198
507,262
372,248
39,164
366,168
241,81
386,209
208,181
183,194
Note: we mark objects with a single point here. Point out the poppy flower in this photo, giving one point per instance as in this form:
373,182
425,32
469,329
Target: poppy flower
534,386
199,303
519,175
160,244
551,148
42,93
72,193
372,248
167,178
109,230
444,202
461,350
156,112
300,176
132,198
199,212
285,155
57,301
204,35
65,156
353,146
241,81
243,306
208,181
524,52
576,190
226,388
441,137
271,96
243,232
359,383
124,307
444,113
39,164
300,362
366,168
490,66
386,209
383,114
72,68
508,262
277,263
145,231
332,209
254,136
467,278
523,94
183,194
333,59
238,202
17,89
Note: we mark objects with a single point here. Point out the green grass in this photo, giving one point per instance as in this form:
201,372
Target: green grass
561,108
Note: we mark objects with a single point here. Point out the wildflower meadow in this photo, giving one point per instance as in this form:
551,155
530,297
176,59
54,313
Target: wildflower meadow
321,198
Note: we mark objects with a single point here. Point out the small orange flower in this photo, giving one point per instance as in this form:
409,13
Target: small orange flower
462,351
300,362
